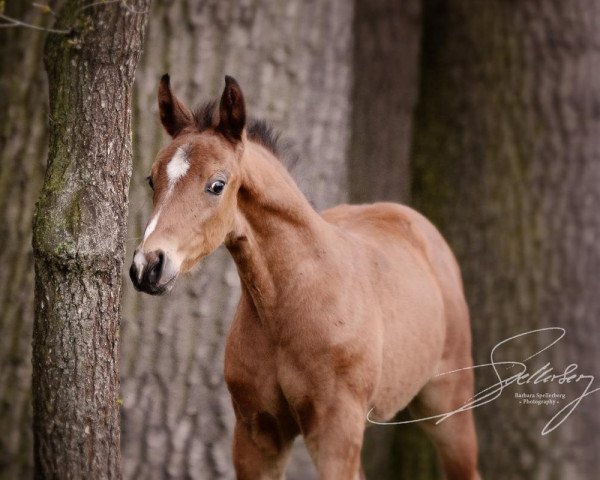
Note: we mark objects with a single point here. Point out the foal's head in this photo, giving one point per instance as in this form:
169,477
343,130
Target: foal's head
195,180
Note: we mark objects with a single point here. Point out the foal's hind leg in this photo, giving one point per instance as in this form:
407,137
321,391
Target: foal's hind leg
455,437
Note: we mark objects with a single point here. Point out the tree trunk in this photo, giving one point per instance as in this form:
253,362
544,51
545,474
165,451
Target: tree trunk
23,146
507,163
293,61
386,70
78,240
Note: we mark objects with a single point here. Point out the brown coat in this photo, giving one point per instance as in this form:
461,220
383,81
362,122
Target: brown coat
342,313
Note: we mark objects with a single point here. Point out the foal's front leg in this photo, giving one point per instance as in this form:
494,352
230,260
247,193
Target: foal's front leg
333,432
260,449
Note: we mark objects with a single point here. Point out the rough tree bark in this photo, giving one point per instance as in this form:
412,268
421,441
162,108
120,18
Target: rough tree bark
293,61
507,163
387,37
78,239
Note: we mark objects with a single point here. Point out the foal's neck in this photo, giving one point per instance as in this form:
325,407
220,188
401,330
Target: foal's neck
276,229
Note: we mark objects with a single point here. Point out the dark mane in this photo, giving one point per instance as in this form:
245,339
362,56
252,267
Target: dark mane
206,116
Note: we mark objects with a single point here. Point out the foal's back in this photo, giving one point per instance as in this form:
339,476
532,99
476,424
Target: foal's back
387,223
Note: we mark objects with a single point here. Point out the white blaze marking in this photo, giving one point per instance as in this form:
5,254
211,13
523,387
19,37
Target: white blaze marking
177,167
140,261
152,225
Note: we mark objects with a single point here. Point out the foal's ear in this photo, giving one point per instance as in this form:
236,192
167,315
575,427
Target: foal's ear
232,110
174,115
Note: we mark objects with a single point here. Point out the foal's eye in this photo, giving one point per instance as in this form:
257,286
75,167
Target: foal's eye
216,187
149,180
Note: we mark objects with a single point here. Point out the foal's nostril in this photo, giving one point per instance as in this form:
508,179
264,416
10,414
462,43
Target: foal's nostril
155,267
147,270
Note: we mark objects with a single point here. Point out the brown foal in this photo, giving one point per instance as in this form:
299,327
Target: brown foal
350,311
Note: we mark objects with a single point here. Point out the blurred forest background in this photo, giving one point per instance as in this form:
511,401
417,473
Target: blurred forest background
484,115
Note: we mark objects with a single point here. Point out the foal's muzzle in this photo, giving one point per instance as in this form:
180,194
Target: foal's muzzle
152,272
